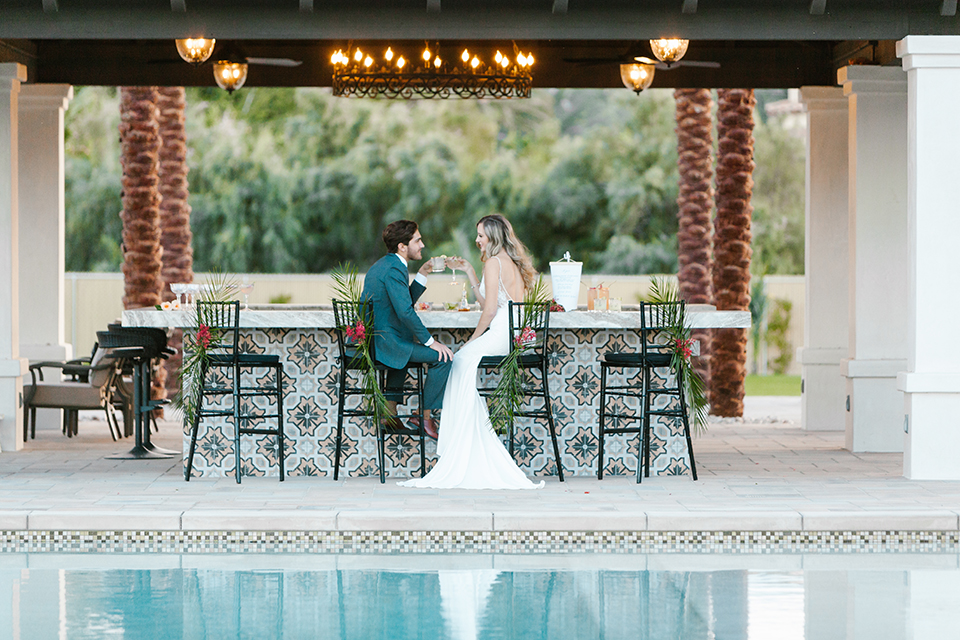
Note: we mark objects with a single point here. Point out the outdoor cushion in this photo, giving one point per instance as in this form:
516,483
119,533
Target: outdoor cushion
79,395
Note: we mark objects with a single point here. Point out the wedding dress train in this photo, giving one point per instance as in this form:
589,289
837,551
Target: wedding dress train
471,454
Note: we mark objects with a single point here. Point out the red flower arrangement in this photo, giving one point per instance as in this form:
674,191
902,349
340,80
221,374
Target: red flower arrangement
527,337
556,306
203,337
684,347
357,333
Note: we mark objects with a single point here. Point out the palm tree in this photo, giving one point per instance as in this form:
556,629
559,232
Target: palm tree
175,235
731,246
695,203
140,147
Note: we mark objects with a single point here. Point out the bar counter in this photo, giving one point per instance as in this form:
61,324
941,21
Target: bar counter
303,337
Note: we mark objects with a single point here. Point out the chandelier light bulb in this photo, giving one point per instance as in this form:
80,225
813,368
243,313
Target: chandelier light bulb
389,54
358,55
465,56
401,62
367,61
498,57
637,76
505,62
669,49
195,50
475,62
230,75
436,62
426,55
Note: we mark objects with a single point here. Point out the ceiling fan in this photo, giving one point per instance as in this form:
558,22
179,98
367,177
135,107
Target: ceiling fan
231,52
637,53
229,60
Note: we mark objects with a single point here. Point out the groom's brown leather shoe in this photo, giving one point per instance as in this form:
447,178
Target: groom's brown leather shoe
429,426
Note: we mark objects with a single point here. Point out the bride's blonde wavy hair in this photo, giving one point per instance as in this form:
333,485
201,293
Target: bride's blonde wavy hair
501,237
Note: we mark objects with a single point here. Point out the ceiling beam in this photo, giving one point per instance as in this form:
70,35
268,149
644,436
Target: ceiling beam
817,7
178,5
689,6
50,6
948,8
559,6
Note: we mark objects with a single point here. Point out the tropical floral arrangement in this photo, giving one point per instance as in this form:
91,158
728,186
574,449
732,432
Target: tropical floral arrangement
346,287
555,306
508,394
199,339
673,326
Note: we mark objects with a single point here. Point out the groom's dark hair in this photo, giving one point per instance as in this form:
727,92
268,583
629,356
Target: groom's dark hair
397,233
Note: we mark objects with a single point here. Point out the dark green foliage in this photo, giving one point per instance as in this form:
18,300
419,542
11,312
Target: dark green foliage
296,181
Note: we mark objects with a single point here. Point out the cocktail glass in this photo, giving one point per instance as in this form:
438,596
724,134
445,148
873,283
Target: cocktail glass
246,289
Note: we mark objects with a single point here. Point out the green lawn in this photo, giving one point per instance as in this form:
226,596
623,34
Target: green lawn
773,385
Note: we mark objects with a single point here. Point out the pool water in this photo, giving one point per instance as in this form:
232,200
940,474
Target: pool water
95,597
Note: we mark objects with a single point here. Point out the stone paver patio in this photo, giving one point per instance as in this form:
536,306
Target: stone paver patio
762,473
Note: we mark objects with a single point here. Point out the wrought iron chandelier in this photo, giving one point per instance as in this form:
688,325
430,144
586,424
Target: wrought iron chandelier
356,74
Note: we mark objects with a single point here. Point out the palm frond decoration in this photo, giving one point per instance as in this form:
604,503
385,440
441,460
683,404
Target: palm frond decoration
673,326
508,394
347,287
199,338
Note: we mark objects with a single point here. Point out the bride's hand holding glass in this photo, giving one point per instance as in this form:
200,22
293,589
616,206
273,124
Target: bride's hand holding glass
458,263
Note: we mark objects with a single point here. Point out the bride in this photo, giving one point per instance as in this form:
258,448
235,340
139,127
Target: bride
471,454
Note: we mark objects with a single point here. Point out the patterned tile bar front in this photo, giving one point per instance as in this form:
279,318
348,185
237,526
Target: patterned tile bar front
306,344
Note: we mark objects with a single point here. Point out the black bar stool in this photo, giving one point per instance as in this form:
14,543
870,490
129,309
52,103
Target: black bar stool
140,346
348,314
536,316
653,354
223,354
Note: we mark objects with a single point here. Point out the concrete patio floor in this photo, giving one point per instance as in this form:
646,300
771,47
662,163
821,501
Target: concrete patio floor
759,474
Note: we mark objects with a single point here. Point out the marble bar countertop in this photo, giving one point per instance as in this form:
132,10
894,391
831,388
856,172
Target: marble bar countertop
290,316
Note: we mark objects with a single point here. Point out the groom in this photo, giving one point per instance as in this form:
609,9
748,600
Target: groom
399,335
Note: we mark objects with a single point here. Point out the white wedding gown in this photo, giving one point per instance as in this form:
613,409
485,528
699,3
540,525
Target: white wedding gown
471,454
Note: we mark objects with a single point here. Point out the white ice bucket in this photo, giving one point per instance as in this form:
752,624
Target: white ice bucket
565,281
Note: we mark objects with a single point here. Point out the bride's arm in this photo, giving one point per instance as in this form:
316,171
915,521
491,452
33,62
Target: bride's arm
491,275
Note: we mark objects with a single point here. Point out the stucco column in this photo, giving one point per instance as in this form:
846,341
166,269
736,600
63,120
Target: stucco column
877,277
42,225
12,366
931,382
825,261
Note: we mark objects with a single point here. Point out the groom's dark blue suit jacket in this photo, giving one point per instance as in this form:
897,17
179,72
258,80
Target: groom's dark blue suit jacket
397,328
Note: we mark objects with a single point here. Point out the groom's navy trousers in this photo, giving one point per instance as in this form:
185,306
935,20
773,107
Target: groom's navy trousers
399,335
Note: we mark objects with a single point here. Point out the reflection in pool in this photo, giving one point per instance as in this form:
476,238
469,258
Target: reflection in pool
466,603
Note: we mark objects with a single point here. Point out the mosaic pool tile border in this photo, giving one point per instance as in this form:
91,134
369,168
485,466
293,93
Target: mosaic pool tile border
484,542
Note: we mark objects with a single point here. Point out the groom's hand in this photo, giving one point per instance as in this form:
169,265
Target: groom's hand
443,350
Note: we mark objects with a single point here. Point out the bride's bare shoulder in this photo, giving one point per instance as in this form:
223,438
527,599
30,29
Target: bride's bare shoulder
492,267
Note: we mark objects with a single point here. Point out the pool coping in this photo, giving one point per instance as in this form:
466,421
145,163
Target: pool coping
353,520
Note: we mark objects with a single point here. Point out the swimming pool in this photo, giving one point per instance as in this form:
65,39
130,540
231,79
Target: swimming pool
479,596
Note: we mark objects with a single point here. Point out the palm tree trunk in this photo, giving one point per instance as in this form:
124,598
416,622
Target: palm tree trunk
175,237
140,147
731,246
695,203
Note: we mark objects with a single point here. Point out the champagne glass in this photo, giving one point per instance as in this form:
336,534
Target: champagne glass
178,289
246,289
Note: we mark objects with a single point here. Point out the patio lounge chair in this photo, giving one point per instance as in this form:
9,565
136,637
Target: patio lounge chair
93,387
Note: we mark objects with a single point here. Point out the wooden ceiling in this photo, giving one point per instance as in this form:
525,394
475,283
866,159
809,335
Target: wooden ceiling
577,43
